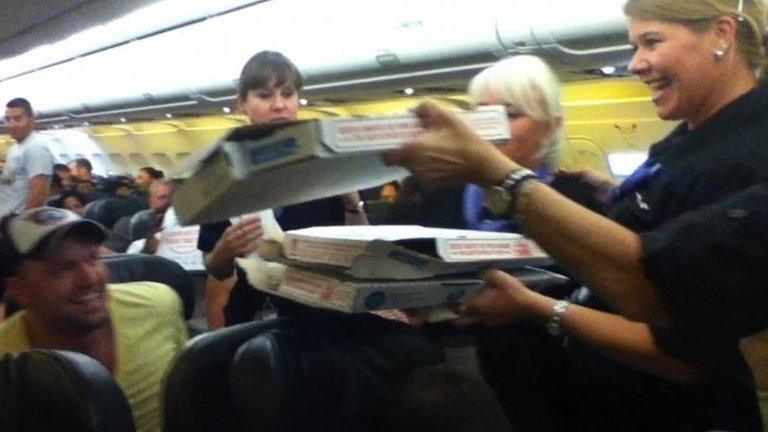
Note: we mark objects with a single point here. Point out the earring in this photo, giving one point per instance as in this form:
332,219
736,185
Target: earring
720,53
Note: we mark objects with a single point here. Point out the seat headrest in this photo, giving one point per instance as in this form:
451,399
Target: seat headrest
137,267
47,390
196,395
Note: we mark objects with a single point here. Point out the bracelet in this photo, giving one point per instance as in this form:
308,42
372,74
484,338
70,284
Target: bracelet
356,210
555,324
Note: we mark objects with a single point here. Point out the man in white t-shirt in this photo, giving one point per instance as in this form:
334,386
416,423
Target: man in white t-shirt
29,163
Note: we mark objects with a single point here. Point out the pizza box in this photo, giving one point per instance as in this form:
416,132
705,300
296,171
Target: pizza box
407,252
343,293
258,167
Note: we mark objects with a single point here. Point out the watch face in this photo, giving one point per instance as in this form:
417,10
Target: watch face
500,201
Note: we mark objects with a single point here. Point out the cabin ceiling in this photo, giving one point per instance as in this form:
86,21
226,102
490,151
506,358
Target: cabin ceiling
26,24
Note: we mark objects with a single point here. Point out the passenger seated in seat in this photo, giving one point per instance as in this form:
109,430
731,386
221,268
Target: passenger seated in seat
268,92
73,200
49,263
145,177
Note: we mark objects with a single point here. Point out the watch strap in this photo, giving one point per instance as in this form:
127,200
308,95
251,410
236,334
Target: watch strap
555,324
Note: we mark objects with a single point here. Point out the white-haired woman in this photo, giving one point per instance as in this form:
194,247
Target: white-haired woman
702,60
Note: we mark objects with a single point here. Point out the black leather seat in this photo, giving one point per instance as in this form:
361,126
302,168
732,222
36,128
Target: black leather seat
60,391
139,267
96,210
140,223
322,371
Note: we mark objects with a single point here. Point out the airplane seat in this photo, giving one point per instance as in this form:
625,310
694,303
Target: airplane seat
140,223
116,208
54,201
96,210
332,373
140,267
320,365
196,396
47,390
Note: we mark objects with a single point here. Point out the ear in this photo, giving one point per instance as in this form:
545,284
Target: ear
14,289
725,29
240,105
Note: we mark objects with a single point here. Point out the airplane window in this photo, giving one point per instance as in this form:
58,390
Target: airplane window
119,163
162,161
138,160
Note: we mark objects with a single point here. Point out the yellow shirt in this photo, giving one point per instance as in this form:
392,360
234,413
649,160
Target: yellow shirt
149,330
762,400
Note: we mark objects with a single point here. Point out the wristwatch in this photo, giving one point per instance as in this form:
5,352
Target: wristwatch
555,324
357,209
502,197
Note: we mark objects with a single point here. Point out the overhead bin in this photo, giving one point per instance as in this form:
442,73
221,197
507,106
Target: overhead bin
337,44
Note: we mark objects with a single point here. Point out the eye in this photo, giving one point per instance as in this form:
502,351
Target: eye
514,115
264,94
287,93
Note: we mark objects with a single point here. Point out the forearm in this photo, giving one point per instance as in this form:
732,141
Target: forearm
217,294
218,264
596,250
627,341
38,191
359,218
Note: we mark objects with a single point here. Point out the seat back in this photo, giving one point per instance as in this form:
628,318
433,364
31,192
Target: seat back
322,371
97,211
60,391
138,267
196,395
140,224
332,373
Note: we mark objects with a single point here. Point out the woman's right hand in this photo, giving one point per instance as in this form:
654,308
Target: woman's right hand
450,152
240,239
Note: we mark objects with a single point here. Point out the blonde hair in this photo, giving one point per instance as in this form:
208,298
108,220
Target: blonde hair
527,83
701,14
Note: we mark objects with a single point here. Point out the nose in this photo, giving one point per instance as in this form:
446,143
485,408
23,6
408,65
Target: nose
638,64
278,103
89,274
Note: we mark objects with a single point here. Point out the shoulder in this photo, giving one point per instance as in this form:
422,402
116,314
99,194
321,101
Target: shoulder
139,295
13,336
37,142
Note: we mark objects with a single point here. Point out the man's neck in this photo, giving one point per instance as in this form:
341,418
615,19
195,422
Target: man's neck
98,343
21,141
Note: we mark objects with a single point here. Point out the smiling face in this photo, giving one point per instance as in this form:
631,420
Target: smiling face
271,104
66,290
679,66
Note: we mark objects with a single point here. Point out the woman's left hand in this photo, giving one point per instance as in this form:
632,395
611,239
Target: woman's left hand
504,300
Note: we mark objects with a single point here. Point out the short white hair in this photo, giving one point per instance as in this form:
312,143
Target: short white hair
527,83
